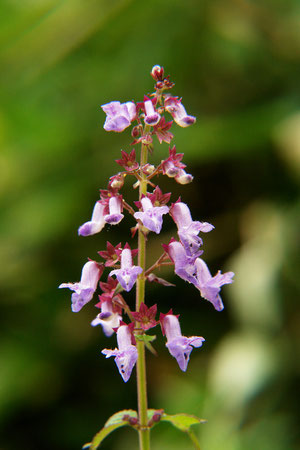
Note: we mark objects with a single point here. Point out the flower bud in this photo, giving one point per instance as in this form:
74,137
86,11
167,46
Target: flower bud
183,178
157,73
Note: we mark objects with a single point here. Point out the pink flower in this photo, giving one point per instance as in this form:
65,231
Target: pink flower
174,106
151,116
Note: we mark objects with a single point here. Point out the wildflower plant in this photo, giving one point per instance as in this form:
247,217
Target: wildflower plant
151,120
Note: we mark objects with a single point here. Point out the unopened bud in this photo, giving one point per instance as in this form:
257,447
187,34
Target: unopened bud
183,177
147,139
116,181
157,73
135,131
148,169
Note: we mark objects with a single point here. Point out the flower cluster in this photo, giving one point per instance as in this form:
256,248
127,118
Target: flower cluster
151,119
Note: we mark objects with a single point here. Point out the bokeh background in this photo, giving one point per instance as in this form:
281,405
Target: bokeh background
237,65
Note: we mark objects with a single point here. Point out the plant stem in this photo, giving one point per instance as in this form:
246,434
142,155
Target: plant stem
144,431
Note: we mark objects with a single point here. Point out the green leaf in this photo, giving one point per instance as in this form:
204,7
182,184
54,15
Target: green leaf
120,419
182,421
146,338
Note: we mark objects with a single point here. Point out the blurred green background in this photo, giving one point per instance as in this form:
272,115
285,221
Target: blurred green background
237,65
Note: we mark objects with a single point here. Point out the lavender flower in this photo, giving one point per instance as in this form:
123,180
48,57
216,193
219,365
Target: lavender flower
128,273
210,286
107,318
174,106
188,229
96,223
180,347
151,116
151,217
115,206
119,116
84,290
184,265
126,355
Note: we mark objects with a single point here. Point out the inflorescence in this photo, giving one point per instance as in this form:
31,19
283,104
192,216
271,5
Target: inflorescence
149,118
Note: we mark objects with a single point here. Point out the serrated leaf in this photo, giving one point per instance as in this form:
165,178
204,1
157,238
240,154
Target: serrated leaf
117,420
182,421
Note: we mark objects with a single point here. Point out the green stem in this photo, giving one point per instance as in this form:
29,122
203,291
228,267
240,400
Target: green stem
194,440
144,431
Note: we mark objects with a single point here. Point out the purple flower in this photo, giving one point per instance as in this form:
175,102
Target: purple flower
179,346
174,106
184,265
128,273
151,116
126,355
96,223
115,207
188,229
119,115
107,318
84,290
151,216
209,286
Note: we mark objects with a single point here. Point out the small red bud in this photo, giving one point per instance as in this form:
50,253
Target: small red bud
157,73
135,132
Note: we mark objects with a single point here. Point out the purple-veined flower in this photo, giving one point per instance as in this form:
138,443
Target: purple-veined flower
151,116
184,265
115,207
151,216
126,354
85,288
209,286
97,222
180,347
188,229
107,318
128,273
119,115
174,106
